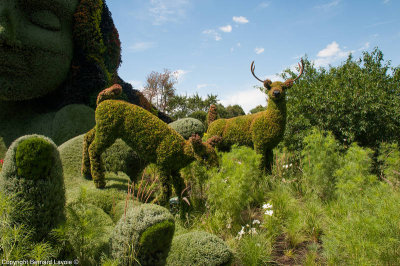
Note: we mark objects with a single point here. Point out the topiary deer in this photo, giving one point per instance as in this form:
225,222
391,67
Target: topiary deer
263,130
152,139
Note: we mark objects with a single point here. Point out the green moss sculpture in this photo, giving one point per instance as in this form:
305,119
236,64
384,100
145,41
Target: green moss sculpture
32,176
59,54
262,131
199,248
144,236
188,127
152,139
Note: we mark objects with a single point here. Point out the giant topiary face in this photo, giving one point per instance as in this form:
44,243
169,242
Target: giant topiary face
56,52
36,46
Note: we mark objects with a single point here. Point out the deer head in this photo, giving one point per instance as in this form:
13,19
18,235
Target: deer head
276,90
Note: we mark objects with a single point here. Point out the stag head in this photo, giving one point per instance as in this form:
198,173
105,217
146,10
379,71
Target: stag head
276,90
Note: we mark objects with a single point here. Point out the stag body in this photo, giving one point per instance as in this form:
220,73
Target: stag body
261,131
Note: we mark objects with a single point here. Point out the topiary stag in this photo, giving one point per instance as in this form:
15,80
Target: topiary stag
263,130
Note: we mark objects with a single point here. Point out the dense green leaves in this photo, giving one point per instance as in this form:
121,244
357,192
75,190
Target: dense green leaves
358,101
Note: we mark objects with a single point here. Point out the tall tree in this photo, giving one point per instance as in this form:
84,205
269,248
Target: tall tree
159,88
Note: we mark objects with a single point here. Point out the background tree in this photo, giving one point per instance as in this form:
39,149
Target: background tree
159,88
258,108
359,101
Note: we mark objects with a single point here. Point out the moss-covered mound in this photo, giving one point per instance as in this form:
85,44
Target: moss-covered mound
186,127
32,176
199,248
143,236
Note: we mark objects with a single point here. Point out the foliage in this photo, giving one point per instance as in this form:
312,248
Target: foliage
181,106
234,110
357,101
199,115
235,187
16,239
143,236
255,249
186,127
32,176
389,160
199,248
258,108
320,160
85,234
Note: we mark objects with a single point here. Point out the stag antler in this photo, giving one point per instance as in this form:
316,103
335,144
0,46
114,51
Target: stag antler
301,70
252,67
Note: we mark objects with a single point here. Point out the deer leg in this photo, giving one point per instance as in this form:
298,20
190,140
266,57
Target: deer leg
100,143
165,194
267,159
87,140
179,186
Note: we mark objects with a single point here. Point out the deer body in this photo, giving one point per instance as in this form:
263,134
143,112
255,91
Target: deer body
261,131
152,139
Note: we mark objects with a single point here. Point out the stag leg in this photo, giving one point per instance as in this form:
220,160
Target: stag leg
165,194
267,160
87,140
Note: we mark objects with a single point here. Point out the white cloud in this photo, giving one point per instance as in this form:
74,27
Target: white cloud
259,50
179,74
247,99
214,34
142,46
241,20
136,84
386,1
201,86
364,47
227,28
330,50
329,5
238,44
330,54
264,5
163,11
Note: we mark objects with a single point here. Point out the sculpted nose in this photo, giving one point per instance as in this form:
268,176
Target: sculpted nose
7,24
277,93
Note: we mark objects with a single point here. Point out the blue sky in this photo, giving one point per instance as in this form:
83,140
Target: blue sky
210,44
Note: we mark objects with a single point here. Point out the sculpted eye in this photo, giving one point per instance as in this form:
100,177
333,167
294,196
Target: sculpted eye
46,19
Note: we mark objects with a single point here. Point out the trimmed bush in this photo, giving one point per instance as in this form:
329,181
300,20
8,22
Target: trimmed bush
186,127
86,233
200,115
199,248
143,236
32,175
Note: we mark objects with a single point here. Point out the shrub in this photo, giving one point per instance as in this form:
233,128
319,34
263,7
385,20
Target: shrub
357,101
186,127
86,232
199,248
235,187
143,236
389,159
255,249
32,174
320,160
121,157
199,115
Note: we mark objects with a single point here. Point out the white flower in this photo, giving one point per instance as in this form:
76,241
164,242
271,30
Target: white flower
228,226
267,206
256,222
241,233
252,231
269,212
247,225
